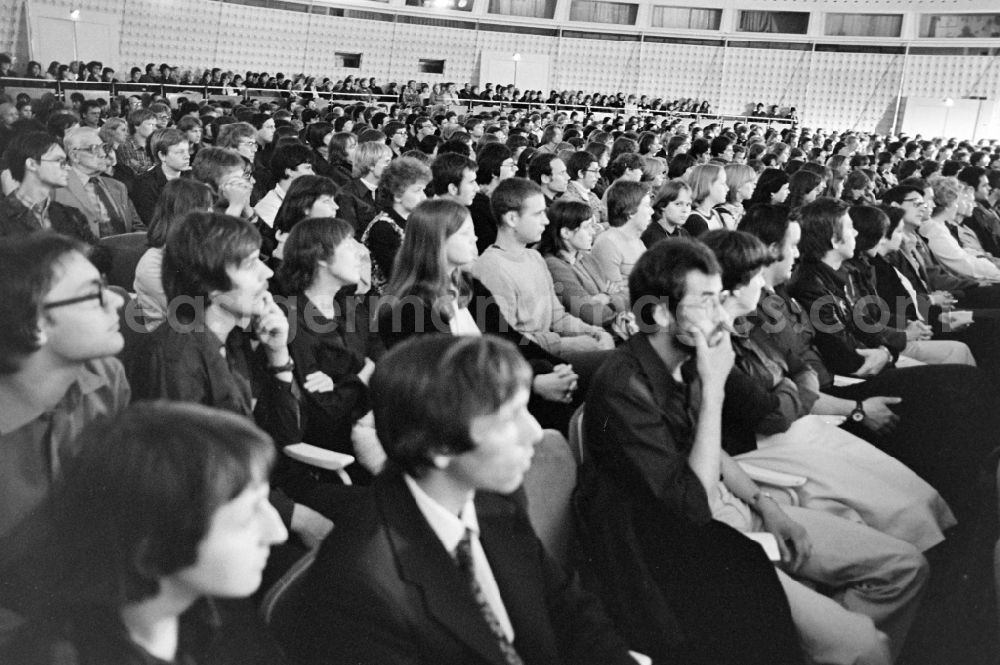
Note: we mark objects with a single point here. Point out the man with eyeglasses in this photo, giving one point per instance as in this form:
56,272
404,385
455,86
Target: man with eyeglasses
584,172
396,137
103,201
57,366
39,164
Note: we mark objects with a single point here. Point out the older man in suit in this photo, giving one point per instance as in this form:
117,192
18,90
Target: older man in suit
433,564
103,201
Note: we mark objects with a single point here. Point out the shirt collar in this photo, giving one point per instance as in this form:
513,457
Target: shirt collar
35,206
18,412
448,527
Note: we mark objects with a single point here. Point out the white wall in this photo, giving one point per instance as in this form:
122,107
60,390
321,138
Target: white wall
828,89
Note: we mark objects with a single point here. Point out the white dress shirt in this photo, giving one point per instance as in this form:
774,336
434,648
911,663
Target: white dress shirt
450,529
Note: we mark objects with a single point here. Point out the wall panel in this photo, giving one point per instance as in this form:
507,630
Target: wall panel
829,89
672,71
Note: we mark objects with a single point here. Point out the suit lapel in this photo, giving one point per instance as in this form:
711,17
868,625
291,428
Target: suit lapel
76,189
424,563
509,551
113,199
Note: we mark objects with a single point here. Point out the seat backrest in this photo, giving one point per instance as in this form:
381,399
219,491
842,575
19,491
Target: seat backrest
126,249
549,485
280,604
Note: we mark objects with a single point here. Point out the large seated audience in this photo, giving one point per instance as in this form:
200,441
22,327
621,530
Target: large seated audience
342,330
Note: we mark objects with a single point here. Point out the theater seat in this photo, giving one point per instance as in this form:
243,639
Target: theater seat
549,485
278,607
125,250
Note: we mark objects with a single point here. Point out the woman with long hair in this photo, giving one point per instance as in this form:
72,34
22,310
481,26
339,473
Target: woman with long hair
178,198
709,188
804,187
741,180
341,150
317,137
430,291
772,188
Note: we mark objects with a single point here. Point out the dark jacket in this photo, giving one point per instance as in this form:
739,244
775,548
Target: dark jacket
766,392
651,544
340,172
211,633
17,220
383,590
337,348
841,327
356,205
146,192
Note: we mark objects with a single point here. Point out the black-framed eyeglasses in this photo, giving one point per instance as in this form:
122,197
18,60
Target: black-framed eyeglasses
917,202
100,296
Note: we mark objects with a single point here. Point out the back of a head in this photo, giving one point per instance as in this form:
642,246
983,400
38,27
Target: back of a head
820,222
740,255
623,199
179,197
767,222
288,157
427,390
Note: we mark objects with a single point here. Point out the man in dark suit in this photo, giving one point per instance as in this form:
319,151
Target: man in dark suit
103,201
434,565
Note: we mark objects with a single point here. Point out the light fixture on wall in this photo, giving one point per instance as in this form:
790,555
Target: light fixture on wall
74,16
949,102
517,59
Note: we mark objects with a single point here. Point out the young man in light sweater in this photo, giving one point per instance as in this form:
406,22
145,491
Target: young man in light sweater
520,281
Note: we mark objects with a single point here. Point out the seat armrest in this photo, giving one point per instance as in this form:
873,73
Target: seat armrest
773,478
319,457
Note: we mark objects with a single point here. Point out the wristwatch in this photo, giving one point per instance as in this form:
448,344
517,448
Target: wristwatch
278,369
858,414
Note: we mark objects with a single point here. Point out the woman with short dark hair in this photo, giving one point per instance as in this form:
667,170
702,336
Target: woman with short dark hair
131,563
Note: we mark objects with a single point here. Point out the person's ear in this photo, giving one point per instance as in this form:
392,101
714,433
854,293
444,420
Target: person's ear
510,218
453,189
441,461
662,316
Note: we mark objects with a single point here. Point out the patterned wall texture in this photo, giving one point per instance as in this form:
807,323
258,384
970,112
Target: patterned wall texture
830,89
